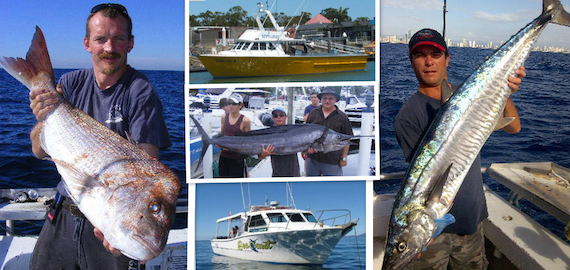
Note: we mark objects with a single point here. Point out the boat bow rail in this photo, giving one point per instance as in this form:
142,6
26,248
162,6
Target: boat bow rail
323,217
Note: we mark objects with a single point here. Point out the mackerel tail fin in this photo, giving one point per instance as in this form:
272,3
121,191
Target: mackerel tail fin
205,141
559,15
36,66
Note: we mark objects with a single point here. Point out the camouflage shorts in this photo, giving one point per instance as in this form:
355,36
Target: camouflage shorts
452,251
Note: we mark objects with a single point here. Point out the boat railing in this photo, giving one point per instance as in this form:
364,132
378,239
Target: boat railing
322,218
27,204
345,48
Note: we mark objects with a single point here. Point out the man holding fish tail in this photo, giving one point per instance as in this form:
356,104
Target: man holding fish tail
461,245
328,115
122,99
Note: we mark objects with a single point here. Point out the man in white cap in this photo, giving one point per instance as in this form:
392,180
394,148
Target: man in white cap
285,165
328,115
234,123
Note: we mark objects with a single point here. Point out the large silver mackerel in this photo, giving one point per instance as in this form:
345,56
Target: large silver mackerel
454,140
127,194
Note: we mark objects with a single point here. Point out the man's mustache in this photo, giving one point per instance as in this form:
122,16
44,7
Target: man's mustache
110,55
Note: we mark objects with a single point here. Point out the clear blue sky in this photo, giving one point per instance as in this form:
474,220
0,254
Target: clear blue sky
214,201
481,21
363,8
158,27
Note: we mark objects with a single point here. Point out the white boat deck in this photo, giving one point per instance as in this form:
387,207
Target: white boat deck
264,169
16,251
522,240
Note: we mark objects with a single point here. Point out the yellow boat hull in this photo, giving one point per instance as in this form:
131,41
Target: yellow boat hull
254,66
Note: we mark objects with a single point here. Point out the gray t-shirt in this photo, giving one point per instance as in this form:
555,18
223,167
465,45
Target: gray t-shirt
286,165
131,106
412,121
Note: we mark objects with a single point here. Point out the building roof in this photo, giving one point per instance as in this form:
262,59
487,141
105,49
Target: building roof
320,19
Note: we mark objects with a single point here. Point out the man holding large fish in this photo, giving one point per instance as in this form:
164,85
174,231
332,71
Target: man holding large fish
454,131
429,59
115,198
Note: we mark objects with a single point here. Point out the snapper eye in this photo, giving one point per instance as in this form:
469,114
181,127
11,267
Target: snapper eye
401,246
154,207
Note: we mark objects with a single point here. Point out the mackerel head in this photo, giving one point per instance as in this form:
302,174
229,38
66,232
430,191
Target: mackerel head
453,141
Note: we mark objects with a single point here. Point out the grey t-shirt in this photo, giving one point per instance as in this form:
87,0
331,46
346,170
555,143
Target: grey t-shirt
286,165
412,121
131,106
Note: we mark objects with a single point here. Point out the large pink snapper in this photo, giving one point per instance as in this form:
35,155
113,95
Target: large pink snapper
127,194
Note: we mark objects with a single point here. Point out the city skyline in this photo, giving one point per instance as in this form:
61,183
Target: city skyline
472,43
482,21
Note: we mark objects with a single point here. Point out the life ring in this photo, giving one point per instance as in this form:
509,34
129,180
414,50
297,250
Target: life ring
290,32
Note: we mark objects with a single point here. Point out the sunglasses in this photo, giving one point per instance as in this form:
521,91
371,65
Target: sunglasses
328,98
115,6
232,104
276,115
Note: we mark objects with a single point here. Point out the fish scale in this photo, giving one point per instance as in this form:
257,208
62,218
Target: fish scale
453,141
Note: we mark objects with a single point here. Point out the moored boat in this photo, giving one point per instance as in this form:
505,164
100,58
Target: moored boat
281,234
263,52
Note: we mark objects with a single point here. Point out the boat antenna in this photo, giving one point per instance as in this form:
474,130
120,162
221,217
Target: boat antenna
290,190
242,197
444,12
248,195
300,17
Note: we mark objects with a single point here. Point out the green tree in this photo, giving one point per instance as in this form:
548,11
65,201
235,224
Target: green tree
236,16
206,18
194,21
302,19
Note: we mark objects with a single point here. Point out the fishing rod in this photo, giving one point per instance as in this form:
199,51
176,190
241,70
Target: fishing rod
444,11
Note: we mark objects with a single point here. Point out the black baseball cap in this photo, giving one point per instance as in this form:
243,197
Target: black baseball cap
427,36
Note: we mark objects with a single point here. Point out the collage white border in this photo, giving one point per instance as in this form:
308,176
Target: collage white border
369,179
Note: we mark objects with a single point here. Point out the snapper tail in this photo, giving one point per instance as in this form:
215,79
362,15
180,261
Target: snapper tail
36,66
205,141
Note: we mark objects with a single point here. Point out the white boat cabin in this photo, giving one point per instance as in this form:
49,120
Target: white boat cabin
267,219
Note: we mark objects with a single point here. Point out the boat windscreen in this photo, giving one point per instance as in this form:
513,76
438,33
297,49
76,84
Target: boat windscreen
276,217
295,217
310,217
256,221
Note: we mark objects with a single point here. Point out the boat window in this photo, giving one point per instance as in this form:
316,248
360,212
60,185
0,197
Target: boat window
271,46
276,217
262,46
310,217
256,221
236,46
296,217
245,46
255,46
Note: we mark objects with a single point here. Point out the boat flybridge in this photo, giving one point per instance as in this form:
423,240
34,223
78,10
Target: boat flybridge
277,51
281,234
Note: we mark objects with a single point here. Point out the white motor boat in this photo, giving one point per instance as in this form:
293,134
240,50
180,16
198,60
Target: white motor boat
281,234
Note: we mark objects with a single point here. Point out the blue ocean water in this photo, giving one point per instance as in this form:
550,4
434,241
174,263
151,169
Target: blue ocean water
20,169
344,256
543,103
361,75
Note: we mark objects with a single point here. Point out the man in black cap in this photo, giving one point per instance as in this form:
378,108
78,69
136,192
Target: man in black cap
461,245
328,115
